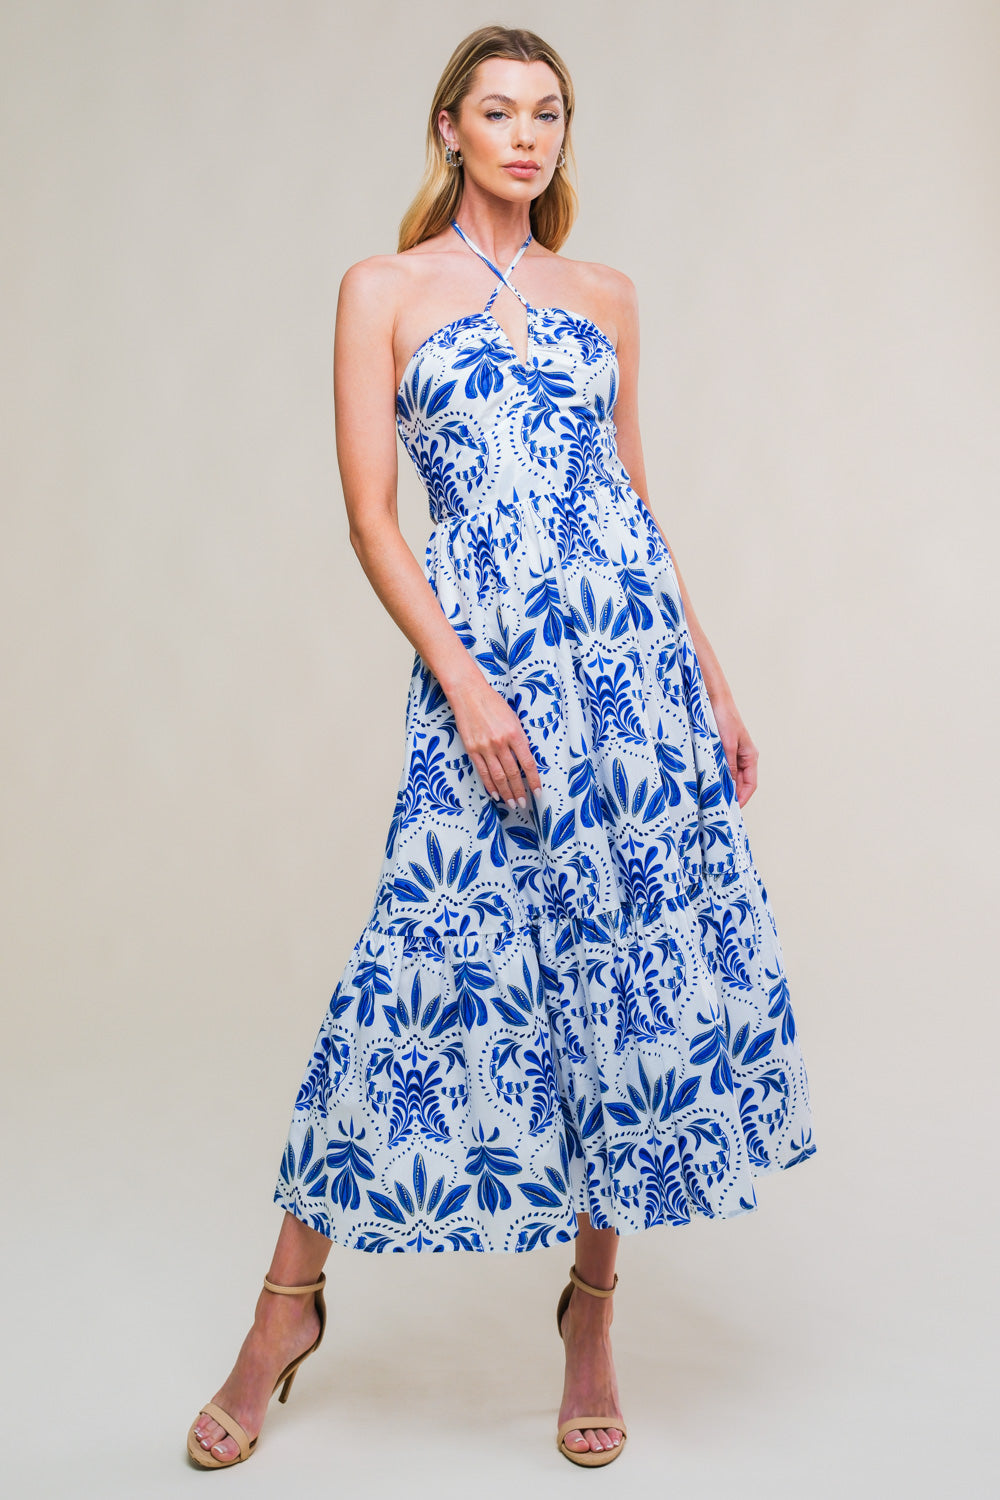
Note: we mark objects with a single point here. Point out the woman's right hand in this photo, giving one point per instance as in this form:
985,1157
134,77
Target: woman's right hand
494,738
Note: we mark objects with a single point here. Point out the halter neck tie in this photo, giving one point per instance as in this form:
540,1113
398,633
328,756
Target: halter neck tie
503,275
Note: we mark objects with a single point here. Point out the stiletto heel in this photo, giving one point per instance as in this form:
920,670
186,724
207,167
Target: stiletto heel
245,1443
587,1457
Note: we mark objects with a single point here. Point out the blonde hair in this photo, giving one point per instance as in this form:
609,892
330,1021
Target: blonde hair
552,213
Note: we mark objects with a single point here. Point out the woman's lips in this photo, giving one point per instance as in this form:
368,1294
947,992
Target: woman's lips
518,171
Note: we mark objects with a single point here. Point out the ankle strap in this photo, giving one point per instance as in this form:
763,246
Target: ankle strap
595,1291
293,1291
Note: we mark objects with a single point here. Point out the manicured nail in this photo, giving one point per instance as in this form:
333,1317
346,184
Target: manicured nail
511,803
522,801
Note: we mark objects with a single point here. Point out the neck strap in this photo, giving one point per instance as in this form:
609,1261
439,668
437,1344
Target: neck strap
503,275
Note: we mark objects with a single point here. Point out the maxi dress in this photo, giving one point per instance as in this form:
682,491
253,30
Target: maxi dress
579,1006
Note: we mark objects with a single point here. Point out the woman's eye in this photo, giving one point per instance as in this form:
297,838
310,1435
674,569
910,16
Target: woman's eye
499,114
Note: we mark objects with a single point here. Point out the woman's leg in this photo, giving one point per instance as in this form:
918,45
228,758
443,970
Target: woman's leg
282,1328
590,1385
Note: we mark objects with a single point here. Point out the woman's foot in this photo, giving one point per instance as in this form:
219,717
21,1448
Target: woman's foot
283,1328
590,1384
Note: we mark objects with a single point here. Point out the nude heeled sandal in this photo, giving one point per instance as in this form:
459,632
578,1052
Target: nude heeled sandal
203,1456
586,1456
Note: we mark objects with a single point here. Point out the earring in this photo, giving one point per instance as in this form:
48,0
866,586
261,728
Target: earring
453,157
562,158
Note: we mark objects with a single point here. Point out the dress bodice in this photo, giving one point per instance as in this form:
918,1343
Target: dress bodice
481,425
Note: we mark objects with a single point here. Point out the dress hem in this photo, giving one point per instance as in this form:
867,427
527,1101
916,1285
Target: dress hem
555,1234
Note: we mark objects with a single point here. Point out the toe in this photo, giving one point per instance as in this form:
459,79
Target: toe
576,1441
207,1431
215,1439
603,1438
225,1450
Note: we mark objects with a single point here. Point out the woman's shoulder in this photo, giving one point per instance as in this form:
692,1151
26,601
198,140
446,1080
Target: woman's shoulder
603,280
609,291
378,278
373,273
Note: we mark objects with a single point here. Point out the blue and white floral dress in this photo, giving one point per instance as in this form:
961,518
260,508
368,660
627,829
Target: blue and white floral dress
579,1006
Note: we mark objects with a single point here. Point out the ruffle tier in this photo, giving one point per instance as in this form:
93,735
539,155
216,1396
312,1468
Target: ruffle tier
477,1089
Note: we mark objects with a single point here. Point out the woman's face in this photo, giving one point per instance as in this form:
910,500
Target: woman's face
510,127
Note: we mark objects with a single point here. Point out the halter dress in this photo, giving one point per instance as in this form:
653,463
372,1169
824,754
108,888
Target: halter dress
579,1006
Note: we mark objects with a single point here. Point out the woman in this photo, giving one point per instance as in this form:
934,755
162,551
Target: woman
567,1017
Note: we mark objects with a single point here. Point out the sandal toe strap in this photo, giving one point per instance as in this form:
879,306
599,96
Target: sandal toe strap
594,1423
233,1428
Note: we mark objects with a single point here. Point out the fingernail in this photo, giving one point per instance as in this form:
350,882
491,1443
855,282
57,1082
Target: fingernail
522,801
511,803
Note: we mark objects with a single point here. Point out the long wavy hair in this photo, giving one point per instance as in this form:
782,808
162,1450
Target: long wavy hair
552,213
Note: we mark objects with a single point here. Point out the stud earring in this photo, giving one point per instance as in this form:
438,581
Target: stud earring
453,157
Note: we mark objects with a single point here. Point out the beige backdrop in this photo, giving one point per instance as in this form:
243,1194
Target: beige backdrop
203,724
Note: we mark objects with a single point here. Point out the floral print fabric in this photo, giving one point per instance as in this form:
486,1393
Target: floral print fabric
579,1006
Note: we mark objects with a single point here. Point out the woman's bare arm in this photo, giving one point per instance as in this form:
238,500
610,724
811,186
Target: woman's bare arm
741,752
364,408
364,386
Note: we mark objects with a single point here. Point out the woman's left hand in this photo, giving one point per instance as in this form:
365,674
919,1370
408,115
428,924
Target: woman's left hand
741,752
